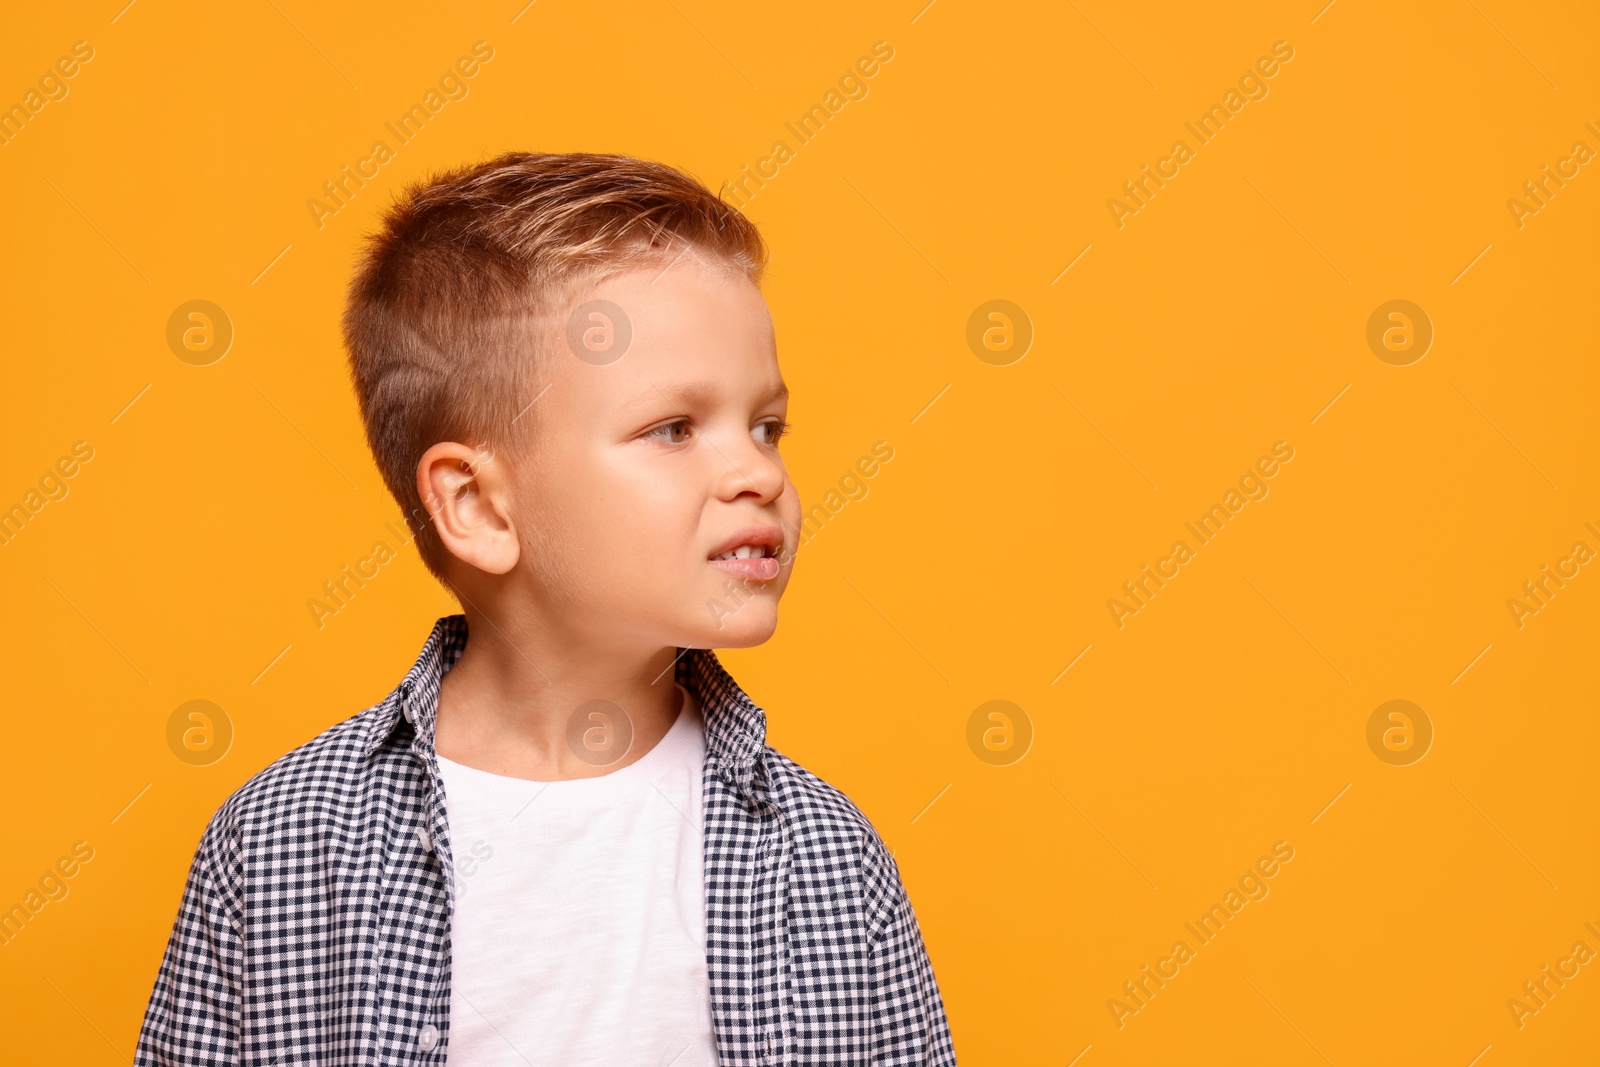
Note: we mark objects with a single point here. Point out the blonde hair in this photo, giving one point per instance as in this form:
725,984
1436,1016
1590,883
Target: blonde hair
456,292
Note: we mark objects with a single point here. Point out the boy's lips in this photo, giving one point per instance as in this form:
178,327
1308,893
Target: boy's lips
762,565
756,568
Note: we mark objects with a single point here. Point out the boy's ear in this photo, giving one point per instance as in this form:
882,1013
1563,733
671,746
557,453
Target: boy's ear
467,495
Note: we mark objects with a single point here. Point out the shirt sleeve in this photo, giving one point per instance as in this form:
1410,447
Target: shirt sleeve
908,1013
193,1015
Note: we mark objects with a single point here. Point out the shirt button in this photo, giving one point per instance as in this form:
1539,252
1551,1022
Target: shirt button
428,1038
426,838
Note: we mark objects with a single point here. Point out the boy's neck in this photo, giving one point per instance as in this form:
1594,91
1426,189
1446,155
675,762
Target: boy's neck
509,702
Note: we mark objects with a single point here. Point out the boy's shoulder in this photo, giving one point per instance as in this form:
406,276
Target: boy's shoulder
321,779
800,792
825,822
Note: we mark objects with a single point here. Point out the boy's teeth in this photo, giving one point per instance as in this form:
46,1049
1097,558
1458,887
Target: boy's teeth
743,552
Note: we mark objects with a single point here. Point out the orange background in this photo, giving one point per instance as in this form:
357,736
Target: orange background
1229,313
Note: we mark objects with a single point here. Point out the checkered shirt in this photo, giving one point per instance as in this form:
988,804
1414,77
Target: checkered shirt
314,926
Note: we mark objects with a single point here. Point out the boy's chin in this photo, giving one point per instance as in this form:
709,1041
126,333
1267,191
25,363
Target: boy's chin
752,625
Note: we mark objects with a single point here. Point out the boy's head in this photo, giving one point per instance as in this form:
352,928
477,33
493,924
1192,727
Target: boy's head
569,381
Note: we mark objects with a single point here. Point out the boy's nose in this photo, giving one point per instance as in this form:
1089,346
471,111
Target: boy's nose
750,470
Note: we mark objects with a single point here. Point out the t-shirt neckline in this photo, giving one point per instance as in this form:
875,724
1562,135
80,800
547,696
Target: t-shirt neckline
673,745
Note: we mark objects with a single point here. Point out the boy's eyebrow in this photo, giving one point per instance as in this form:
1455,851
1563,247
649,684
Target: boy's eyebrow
696,392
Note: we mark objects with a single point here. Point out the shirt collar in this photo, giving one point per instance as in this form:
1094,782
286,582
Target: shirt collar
736,727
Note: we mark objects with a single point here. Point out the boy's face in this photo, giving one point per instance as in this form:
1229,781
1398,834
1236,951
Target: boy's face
648,464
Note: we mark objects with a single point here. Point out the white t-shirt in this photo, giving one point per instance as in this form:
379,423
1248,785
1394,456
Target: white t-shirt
579,932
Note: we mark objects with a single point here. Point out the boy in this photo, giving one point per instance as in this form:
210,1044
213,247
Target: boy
566,840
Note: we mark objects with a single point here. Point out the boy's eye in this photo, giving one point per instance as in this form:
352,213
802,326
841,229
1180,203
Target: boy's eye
674,432
666,432
775,429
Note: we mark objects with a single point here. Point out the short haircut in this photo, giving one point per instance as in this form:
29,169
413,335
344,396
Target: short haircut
459,290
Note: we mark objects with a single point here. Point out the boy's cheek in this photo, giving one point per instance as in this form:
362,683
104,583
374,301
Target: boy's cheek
789,519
